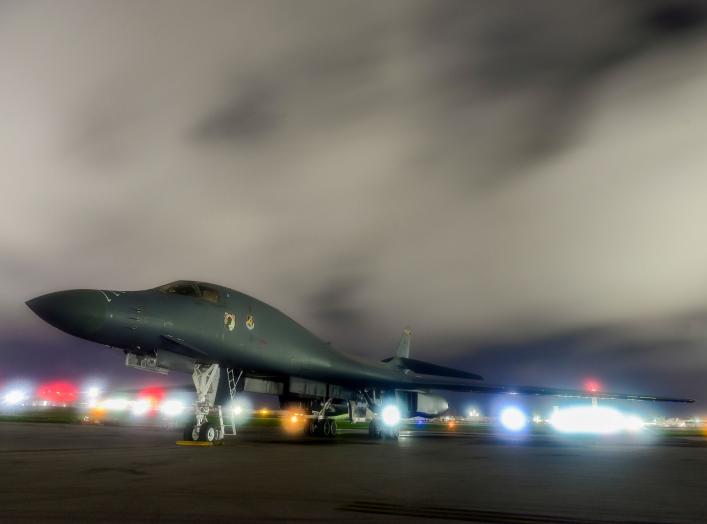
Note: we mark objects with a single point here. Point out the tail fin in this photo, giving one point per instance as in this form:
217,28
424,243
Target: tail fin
404,344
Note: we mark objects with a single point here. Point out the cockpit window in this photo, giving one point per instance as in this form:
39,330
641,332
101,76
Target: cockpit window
181,288
208,293
192,289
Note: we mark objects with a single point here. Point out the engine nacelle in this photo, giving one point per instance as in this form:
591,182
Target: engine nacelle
431,405
416,404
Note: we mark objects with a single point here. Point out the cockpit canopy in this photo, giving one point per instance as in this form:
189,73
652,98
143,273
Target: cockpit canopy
192,289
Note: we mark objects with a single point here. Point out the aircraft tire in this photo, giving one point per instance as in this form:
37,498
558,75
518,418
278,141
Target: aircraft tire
312,428
332,429
189,433
326,428
374,431
208,432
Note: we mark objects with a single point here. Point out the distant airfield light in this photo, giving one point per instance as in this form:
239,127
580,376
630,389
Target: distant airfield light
14,397
594,419
58,392
390,415
141,407
93,392
114,404
153,395
513,419
592,386
172,408
264,411
294,422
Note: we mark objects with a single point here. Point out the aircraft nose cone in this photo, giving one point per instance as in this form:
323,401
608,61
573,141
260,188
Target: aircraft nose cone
80,312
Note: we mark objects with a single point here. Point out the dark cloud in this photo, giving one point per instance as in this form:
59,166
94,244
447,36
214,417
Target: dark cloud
251,116
676,18
334,306
548,61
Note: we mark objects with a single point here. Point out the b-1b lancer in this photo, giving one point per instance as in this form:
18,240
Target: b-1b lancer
200,328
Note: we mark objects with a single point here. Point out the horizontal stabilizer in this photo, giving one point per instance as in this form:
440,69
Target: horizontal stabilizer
425,368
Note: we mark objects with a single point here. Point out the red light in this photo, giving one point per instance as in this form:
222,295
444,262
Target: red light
153,394
592,386
58,392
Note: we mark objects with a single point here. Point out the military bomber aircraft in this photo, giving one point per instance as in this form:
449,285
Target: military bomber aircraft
200,328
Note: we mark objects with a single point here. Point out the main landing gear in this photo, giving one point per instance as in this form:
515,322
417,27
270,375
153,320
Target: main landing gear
385,421
321,428
321,425
377,430
205,379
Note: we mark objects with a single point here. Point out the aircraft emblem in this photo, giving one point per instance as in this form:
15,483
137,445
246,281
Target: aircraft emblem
229,320
250,322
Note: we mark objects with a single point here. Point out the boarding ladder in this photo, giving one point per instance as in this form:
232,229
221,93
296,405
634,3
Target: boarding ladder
233,381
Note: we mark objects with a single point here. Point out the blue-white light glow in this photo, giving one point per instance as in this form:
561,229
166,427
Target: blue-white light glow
594,419
14,397
513,419
172,407
390,415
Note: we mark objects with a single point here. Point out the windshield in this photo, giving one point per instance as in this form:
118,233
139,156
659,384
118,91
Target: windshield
192,289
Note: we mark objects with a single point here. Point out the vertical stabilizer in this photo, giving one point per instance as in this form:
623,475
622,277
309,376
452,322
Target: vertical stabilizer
404,344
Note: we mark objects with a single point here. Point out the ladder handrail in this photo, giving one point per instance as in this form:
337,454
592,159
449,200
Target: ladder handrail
233,392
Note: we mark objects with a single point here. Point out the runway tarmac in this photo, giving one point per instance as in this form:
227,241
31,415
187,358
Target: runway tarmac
71,473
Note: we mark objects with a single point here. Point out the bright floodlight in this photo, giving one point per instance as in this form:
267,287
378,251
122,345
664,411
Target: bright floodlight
513,419
14,397
241,408
390,415
633,423
594,419
172,408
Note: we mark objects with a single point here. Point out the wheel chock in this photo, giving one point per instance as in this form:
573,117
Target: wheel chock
199,443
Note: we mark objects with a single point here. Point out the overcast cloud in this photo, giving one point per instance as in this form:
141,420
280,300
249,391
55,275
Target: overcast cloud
522,182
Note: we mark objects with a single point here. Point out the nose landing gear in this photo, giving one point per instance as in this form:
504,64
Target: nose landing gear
205,379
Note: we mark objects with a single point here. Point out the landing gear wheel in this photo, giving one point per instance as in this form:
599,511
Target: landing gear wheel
190,432
208,432
332,428
374,430
326,428
311,428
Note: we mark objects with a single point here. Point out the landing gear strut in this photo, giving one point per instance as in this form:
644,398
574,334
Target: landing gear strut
379,427
205,379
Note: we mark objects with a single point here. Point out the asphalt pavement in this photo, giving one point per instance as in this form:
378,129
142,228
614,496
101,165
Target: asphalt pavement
73,473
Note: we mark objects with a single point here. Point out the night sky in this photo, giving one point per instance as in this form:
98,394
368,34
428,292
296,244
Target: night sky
524,183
